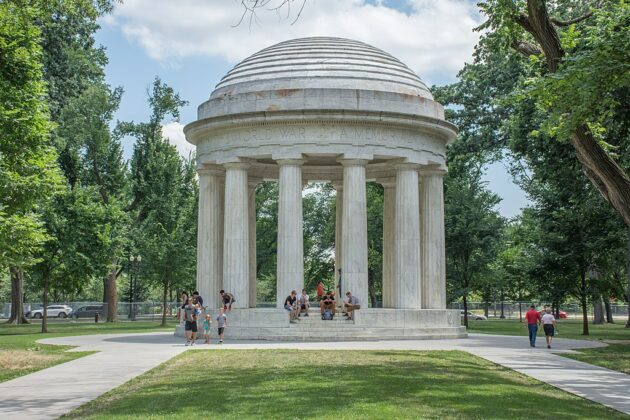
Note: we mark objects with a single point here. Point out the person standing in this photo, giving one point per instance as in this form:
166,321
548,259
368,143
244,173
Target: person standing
533,319
549,326
190,326
320,291
197,296
221,324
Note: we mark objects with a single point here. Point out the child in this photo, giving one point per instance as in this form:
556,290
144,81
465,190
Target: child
221,324
206,329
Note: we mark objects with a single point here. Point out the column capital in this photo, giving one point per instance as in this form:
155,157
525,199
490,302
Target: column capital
237,165
427,172
253,181
406,166
290,162
210,171
353,162
389,182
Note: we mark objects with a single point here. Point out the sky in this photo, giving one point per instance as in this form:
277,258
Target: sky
191,44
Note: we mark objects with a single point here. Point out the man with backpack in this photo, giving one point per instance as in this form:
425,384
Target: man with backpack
327,306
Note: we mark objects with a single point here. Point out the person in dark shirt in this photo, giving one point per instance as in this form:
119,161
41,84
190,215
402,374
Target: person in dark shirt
196,295
328,303
291,306
227,299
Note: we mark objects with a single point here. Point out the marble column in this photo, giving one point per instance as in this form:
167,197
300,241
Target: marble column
354,249
290,231
407,238
389,207
338,223
251,199
433,260
210,236
236,234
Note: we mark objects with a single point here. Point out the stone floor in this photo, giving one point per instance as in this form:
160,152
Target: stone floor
124,356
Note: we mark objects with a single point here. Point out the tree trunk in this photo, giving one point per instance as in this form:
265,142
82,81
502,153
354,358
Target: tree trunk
598,310
583,303
45,302
465,299
600,168
112,295
605,174
164,296
520,312
502,310
486,305
17,297
608,309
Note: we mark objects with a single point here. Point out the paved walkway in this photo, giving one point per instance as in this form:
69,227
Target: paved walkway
52,392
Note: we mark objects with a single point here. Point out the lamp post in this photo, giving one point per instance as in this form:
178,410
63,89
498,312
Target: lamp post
134,261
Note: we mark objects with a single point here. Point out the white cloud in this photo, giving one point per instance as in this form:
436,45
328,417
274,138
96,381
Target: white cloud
174,132
434,40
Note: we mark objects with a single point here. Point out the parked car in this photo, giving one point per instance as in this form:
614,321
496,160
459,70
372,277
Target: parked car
563,315
473,316
88,311
59,311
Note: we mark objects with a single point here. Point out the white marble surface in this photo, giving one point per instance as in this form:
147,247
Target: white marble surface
433,261
290,258
407,238
236,234
354,231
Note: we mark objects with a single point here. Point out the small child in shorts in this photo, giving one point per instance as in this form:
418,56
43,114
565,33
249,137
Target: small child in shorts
206,329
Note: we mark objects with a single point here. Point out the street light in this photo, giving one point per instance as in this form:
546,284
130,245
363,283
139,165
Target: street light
133,263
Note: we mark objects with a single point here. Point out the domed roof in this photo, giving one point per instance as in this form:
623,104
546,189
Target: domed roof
321,63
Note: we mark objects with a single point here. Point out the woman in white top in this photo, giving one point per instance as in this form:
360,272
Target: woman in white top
549,323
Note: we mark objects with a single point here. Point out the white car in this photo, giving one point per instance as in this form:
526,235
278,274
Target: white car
473,316
59,311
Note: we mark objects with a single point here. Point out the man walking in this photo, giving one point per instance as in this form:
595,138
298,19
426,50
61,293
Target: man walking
533,319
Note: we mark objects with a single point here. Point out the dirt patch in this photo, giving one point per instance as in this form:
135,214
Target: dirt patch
24,359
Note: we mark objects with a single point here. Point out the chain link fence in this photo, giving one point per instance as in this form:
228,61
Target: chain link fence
86,311
514,310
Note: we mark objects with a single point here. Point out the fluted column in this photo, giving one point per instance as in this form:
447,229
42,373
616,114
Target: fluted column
236,234
210,236
354,250
338,223
251,199
389,206
407,238
433,252
290,235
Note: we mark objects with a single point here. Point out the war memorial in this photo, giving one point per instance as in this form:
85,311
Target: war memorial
327,110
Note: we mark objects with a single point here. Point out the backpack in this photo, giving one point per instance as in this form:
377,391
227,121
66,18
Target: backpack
327,315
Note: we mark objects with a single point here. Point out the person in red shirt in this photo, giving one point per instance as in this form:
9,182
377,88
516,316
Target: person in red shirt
320,291
533,320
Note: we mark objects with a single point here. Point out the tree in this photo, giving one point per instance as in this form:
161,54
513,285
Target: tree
473,232
164,197
319,235
27,160
579,84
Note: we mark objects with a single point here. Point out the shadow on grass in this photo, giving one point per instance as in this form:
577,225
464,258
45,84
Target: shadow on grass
289,383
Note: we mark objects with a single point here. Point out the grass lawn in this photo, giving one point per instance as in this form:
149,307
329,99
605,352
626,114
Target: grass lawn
20,354
616,356
336,385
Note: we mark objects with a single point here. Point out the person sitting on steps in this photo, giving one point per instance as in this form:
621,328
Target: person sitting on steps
303,303
291,307
328,303
350,305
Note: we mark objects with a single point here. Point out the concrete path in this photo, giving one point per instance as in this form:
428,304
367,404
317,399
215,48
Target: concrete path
52,392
